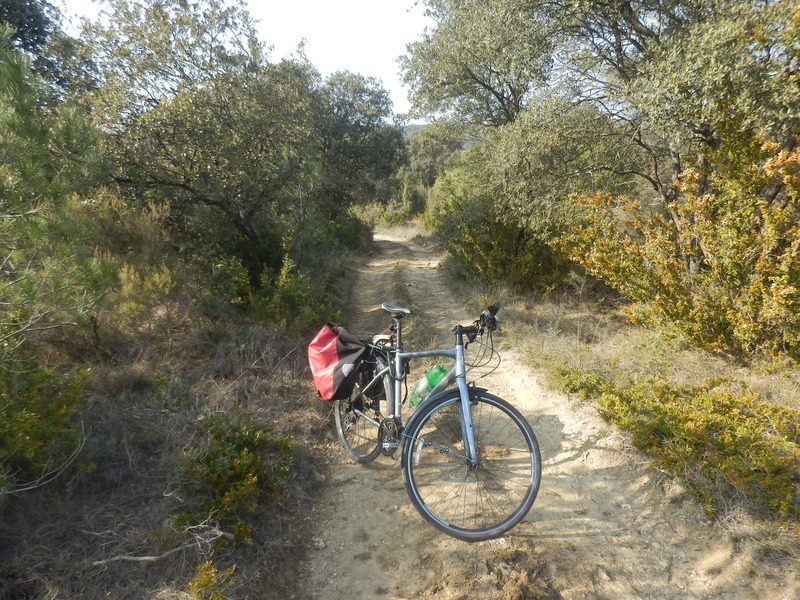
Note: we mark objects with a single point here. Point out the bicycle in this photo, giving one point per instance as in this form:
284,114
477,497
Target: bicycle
470,461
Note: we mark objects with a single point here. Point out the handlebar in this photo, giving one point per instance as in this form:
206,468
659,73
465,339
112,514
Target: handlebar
487,321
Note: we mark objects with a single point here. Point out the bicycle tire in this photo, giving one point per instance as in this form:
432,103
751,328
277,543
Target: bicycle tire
465,502
356,417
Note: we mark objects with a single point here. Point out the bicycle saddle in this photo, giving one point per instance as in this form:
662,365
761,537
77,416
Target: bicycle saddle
396,311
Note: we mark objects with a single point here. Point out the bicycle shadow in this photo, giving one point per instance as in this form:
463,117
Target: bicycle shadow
608,523
590,480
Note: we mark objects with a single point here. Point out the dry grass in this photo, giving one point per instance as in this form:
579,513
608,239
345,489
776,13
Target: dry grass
143,406
580,334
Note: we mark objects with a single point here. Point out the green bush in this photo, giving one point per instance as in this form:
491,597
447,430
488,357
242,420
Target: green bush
241,465
475,226
722,442
293,300
37,436
209,583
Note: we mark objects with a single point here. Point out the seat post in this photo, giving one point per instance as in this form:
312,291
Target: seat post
398,329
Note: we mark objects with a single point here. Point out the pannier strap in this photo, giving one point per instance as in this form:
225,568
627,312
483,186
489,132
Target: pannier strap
396,311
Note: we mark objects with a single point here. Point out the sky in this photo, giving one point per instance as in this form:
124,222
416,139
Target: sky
360,36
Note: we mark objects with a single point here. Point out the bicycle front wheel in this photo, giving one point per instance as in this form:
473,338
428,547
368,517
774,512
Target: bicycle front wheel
469,502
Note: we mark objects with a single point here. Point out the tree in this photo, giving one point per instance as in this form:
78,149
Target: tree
197,122
258,162
714,256
428,151
514,187
45,158
33,22
723,270
480,63
361,147
57,57
726,77
49,277
635,61
237,150
149,50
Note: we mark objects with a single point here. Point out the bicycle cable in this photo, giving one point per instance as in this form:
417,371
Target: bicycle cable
486,357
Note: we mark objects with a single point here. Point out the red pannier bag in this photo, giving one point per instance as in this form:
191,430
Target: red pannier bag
334,356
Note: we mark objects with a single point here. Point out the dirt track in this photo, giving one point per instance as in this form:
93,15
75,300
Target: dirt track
605,525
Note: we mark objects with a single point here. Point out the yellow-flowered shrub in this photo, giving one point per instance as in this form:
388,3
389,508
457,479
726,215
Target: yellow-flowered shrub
722,267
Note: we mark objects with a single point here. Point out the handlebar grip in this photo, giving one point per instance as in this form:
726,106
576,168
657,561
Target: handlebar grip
489,316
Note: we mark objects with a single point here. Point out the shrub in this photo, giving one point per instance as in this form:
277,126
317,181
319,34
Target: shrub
294,300
38,439
241,465
481,232
722,267
141,290
723,443
209,583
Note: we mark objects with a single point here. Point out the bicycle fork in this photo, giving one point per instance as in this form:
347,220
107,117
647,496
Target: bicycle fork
465,412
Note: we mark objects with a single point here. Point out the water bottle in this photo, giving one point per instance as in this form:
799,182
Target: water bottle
426,384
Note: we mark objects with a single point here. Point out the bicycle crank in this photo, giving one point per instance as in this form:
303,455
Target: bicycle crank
389,436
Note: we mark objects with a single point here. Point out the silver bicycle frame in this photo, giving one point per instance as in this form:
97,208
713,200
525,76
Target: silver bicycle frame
457,373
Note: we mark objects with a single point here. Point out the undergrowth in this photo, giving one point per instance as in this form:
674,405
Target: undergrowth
727,445
241,467
200,445
39,438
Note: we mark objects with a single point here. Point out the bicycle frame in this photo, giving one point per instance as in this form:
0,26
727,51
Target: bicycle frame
396,371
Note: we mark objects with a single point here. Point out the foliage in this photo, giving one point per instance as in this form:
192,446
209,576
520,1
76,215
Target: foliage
501,205
48,272
428,151
45,155
471,221
32,20
411,204
38,438
241,465
226,158
140,289
722,268
361,150
209,583
149,50
725,444
730,73
294,302
470,67
257,162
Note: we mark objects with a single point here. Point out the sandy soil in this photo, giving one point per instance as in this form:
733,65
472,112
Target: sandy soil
605,524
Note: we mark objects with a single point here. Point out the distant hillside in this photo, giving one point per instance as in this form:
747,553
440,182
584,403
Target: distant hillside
409,129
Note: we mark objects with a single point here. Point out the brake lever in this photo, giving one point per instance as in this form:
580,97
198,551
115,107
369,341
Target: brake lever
473,335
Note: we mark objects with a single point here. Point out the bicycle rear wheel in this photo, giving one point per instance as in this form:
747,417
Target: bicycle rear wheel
468,502
359,416
358,425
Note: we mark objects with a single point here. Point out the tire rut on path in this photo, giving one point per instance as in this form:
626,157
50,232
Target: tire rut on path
605,523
